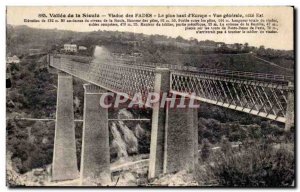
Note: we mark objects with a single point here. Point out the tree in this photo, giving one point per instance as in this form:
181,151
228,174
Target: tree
180,39
225,146
246,47
205,151
261,50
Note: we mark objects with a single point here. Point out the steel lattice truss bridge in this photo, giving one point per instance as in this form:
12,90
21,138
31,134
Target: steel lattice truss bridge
174,133
264,95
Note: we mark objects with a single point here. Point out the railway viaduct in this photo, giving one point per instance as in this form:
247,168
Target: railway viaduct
174,134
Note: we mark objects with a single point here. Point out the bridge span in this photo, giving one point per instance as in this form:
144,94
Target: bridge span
174,134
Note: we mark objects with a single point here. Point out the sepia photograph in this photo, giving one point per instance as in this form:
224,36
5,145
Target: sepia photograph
165,96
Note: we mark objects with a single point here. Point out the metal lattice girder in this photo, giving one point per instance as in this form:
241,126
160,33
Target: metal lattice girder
262,98
117,78
258,94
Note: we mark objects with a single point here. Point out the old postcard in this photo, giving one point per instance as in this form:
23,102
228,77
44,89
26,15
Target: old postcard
150,96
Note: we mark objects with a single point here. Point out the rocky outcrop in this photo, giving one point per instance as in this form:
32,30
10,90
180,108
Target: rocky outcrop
181,178
125,136
118,145
13,178
129,138
125,114
139,132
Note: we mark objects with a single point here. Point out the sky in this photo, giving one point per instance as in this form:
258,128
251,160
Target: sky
281,40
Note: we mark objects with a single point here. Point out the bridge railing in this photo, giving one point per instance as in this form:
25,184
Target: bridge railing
234,74
218,72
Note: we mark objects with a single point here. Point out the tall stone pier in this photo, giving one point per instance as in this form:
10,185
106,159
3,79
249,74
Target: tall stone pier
181,139
161,84
64,165
290,111
174,133
95,156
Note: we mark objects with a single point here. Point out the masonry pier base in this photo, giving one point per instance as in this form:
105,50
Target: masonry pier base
290,111
95,156
181,140
174,133
64,166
